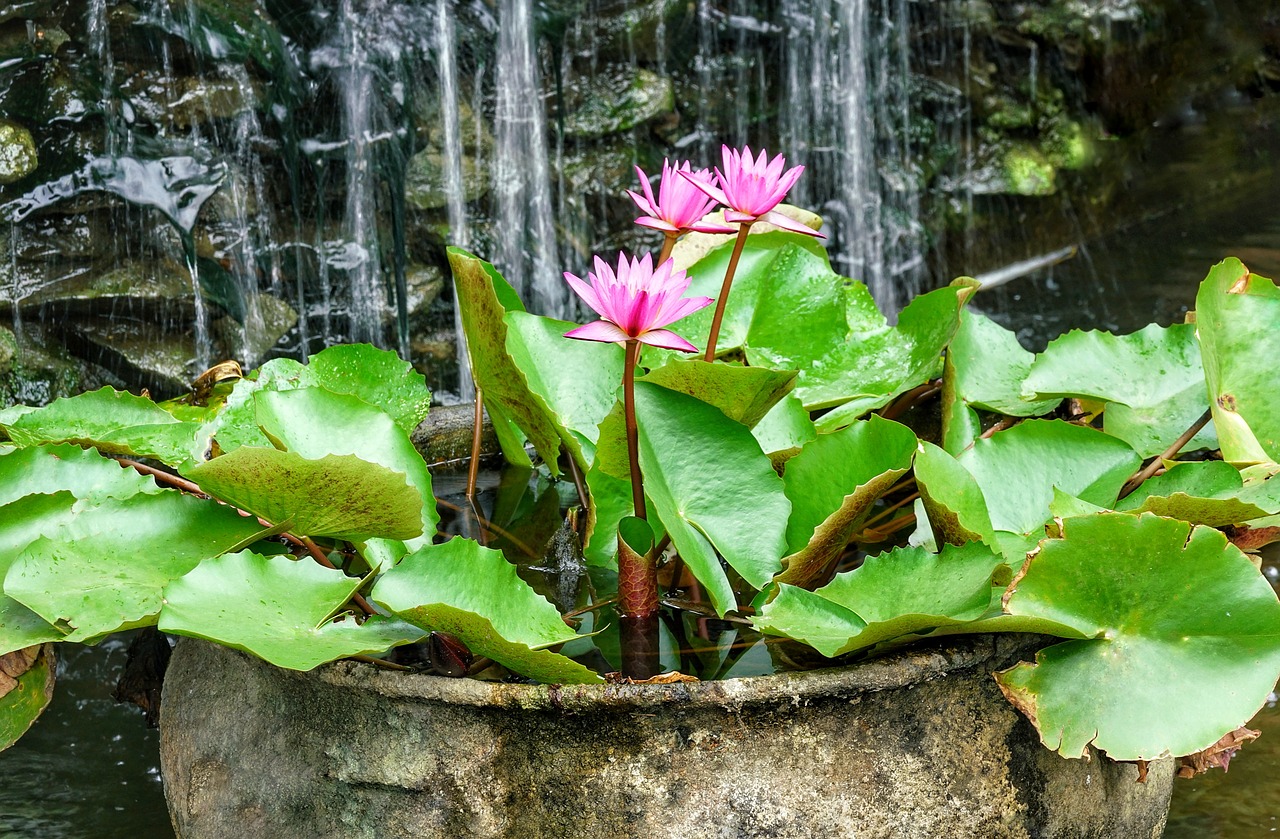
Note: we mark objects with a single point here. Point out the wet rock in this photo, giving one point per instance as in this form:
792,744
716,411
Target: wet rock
40,371
25,10
616,100
1027,172
426,180
267,320
423,284
624,29
17,152
187,100
142,353
155,290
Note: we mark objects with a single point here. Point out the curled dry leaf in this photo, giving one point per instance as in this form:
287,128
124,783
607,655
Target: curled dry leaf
674,677
1251,539
1217,756
13,665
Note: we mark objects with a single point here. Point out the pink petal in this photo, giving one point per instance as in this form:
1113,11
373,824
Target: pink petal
586,292
644,204
682,308
667,340
657,224
740,218
713,193
598,330
648,189
787,223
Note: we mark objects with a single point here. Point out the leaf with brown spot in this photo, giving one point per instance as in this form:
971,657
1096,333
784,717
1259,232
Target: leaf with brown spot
26,687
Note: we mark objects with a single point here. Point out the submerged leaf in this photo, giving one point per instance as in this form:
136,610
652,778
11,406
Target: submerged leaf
1182,638
26,686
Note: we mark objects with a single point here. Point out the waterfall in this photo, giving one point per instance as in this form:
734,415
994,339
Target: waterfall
459,231
526,234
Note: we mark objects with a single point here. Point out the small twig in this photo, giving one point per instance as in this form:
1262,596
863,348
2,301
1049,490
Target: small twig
473,469
319,556
378,662
880,534
908,400
493,529
1158,462
599,604
886,511
576,474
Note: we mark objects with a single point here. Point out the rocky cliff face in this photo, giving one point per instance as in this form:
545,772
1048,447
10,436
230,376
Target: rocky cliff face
188,180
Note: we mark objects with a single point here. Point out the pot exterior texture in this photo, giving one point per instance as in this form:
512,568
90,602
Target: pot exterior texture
920,744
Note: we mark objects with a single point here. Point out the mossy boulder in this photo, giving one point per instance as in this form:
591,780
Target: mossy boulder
18,156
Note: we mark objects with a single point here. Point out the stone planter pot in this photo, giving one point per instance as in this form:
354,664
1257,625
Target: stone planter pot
919,744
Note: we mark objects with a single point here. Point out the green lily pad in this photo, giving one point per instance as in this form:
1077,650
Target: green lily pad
24,701
109,562
1238,323
751,282
906,591
313,422
1018,469
575,383
744,394
1210,493
483,300
1151,381
832,484
985,368
340,496
952,499
379,377
277,608
785,429
868,370
1183,638
83,472
473,593
693,457
114,422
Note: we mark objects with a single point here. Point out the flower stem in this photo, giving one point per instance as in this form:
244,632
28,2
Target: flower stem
743,229
668,244
633,441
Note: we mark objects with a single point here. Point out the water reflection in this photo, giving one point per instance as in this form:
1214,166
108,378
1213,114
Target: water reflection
89,767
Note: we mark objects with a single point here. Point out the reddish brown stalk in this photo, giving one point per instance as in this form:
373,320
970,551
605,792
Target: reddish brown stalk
886,511
743,230
633,441
668,243
1158,463
578,483
165,477
473,468
910,399
882,533
319,556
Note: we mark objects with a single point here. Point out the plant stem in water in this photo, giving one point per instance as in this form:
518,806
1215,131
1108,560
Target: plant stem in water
1155,465
477,428
743,230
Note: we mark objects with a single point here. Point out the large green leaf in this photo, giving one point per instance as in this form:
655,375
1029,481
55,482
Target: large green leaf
25,698
1209,492
985,368
114,422
483,300
693,458
869,369
1018,469
106,567
752,282
339,496
83,472
952,499
744,394
379,377
575,382
1238,323
1151,380
832,484
473,593
314,422
278,609
1183,638
785,429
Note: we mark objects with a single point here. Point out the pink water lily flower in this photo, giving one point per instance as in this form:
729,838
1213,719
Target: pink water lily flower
752,188
680,205
636,302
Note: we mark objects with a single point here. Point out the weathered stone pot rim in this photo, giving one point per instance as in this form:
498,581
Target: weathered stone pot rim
897,670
